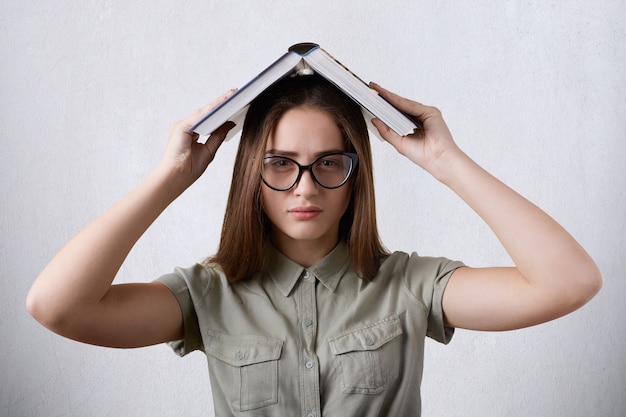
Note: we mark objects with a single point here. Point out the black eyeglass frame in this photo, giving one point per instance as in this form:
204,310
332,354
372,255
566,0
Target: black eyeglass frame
354,158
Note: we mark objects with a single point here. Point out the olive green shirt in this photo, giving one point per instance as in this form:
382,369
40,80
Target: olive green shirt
316,341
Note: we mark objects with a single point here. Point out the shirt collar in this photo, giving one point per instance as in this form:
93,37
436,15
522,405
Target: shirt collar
285,273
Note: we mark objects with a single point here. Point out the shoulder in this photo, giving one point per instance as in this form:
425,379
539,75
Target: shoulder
423,277
197,279
416,266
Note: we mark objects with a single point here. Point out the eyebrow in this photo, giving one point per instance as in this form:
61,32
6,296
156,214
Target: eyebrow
279,152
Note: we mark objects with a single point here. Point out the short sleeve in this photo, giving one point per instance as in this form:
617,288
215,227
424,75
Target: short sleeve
426,279
188,284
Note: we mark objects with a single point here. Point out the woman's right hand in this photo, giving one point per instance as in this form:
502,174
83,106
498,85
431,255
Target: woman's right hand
184,156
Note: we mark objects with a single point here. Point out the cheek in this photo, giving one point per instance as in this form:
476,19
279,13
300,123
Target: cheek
349,190
264,197
343,200
268,200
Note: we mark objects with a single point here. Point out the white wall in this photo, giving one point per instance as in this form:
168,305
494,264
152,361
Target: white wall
533,90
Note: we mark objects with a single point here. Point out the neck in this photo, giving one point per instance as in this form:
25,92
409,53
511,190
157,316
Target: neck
304,252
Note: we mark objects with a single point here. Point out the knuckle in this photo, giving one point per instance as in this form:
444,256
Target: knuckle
179,126
435,111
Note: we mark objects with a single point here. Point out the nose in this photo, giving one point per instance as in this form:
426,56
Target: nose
306,185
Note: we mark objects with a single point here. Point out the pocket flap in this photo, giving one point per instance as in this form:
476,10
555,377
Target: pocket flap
242,350
370,336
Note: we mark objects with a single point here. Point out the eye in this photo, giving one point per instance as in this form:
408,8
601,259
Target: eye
276,162
331,162
280,162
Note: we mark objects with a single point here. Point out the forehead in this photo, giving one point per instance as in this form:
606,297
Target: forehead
306,130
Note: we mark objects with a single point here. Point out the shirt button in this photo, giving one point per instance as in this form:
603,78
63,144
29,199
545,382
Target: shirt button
369,341
239,355
309,365
306,275
310,415
308,322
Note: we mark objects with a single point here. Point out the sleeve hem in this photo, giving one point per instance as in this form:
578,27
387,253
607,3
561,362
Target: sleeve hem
177,284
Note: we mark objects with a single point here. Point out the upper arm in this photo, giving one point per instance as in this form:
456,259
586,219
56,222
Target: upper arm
502,299
129,315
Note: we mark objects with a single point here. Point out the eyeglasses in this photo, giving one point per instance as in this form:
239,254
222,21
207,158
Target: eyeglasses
330,171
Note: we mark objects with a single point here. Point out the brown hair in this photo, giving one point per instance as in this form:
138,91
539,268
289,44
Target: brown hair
246,229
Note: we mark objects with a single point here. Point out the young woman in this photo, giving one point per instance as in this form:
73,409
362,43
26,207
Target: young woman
302,311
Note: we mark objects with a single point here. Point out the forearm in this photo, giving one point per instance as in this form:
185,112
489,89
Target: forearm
81,273
544,252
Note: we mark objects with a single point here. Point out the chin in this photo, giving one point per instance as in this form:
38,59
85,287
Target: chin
307,234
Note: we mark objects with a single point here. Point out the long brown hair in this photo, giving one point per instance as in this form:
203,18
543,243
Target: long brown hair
246,229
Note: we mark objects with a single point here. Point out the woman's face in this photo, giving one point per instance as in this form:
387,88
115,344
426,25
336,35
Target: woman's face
308,214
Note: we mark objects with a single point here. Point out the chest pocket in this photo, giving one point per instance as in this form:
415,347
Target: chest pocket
368,355
247,368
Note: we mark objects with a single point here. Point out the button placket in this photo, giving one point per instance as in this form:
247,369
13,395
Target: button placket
309,372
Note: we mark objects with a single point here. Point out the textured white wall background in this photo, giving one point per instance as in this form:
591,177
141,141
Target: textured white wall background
533,90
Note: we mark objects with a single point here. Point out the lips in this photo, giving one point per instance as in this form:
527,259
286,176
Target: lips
305,213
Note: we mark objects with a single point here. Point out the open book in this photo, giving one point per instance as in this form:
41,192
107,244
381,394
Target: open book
303,59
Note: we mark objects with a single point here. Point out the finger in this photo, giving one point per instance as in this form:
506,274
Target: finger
194,117
210,106
387,133
216,138
410,107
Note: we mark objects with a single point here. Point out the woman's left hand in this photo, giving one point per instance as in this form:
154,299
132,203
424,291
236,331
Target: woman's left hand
431,146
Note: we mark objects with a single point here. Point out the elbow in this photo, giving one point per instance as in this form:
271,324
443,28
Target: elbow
574,288
43,308
35,305
595,281
587,283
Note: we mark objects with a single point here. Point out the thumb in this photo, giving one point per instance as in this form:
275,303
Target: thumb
388,134
216,139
